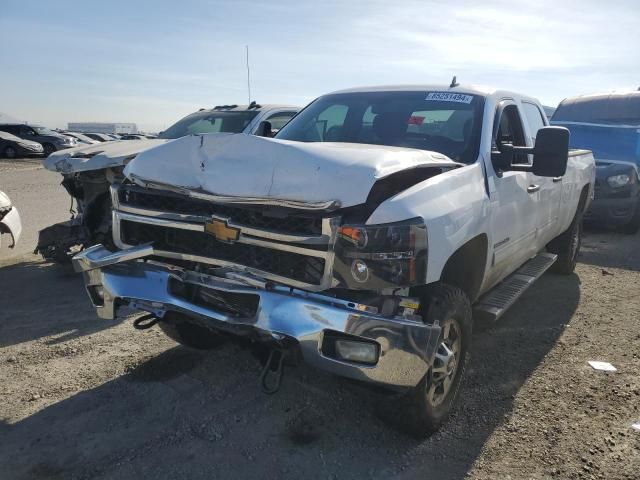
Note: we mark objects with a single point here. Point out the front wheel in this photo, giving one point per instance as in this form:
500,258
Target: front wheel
633,226
48,149
427,406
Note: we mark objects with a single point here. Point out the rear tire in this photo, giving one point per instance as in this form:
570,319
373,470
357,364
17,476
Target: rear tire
633,226
567,247
179,328
427,406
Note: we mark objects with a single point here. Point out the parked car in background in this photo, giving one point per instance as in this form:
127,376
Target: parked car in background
100,137
89,171
14,147
81,138
114,136
51,141
10,222
609,125
359,239
131,136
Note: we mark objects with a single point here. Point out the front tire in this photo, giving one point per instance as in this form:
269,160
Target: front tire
567,247
633,226
427,406
179,328
48,149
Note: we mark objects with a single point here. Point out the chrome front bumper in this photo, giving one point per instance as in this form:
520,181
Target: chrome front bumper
406,347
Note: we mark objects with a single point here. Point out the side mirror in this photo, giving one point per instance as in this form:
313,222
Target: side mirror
551,152
264,129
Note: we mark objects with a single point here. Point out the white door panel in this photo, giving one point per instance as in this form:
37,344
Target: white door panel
513,219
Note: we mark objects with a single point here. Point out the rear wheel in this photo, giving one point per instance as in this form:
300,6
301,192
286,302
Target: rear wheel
9,152
567,247
427,406
182,330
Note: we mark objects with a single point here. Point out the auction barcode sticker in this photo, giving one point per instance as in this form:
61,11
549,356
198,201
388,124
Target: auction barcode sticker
449,97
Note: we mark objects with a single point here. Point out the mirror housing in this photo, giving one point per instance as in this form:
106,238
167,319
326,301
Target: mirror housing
551,152
264,129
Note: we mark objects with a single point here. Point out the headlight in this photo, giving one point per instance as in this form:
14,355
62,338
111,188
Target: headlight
376,257
617,181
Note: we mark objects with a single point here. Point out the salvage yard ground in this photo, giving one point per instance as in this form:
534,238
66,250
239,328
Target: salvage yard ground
86,398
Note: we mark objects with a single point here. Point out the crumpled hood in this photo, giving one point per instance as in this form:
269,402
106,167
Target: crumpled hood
98,157
237,166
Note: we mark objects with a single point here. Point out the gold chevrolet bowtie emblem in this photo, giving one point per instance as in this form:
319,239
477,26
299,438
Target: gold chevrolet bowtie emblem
221,231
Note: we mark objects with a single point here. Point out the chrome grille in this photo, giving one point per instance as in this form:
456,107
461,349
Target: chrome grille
302,268
294,249
168,202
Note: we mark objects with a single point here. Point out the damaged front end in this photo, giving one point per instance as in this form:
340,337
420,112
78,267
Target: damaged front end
290,277
90,221
87,174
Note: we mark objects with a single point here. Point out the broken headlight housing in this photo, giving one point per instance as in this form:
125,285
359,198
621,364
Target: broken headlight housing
377,257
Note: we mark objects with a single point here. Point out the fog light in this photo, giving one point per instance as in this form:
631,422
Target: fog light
359,271
360,352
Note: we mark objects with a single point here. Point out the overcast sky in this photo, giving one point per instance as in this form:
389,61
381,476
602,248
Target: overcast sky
151,62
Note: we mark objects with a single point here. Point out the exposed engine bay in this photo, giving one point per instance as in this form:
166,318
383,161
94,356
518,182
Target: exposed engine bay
90,210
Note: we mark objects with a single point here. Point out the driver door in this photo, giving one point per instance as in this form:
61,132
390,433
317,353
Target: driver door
514,199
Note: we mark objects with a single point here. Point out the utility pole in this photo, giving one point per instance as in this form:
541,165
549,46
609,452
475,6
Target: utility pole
248,76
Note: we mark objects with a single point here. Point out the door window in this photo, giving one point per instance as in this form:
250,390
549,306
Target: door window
26,131
534,119
509,132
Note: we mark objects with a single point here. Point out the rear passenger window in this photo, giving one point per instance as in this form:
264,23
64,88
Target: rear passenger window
534,119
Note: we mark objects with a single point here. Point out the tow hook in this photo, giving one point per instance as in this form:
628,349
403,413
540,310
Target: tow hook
146,321
271,376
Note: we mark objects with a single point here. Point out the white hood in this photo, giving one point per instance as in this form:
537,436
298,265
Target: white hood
240,166
98,157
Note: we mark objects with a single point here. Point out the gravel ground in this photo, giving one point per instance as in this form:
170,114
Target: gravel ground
86,398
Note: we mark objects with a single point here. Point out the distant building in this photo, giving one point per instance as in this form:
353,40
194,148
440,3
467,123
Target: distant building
95,127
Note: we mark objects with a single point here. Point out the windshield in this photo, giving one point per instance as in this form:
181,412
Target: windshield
604,109
43,131
210,122
444,122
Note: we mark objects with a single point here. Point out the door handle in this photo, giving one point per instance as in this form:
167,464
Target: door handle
533,188
557,179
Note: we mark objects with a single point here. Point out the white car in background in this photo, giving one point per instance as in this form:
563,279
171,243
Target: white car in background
9,220
81,138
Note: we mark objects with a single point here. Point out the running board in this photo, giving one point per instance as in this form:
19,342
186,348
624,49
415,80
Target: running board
493,304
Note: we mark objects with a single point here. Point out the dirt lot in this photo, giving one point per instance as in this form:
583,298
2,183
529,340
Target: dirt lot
85,398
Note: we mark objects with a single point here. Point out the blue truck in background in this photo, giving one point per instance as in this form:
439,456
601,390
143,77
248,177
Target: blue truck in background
609,126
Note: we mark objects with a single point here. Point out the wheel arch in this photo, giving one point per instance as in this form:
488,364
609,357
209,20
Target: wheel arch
466,267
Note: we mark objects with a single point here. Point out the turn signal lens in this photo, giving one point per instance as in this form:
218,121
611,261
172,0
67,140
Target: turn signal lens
354,235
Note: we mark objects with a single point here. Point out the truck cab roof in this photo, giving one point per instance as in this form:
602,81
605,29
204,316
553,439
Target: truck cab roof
480,90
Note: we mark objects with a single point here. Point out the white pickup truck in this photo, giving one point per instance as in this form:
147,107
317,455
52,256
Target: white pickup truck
362,239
